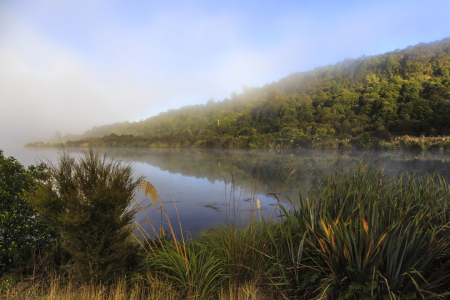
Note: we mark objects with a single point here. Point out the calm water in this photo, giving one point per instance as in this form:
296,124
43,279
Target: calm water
198,182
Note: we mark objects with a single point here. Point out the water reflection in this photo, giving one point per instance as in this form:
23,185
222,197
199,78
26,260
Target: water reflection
273,168
199,182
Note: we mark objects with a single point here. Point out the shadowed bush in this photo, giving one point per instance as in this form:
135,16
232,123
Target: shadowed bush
21,231
88,200
356,236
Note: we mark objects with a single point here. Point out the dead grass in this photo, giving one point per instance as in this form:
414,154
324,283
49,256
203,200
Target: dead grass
57,289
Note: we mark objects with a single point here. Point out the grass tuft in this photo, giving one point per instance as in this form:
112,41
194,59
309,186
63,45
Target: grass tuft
356,236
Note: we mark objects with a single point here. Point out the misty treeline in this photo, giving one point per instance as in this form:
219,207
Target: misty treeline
271,165
403,92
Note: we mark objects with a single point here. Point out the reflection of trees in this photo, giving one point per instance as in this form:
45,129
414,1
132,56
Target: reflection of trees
311,165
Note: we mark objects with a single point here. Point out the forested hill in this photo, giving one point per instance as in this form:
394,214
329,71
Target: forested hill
403,92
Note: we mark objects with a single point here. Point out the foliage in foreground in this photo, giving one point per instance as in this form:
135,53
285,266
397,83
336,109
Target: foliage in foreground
59,289
361,236
88,200
21,230
358,236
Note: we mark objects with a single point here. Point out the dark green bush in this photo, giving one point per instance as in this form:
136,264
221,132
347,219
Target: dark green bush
363,140
21,229
88,200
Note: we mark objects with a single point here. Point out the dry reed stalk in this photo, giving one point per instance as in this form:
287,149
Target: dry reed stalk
150,190
254,193
232,190
72,291
248,291
181,230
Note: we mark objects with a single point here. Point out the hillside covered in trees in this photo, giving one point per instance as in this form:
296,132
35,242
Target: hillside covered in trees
364,101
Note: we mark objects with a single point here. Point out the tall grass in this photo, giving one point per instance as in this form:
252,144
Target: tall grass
369,236
60,290
190,268
359,235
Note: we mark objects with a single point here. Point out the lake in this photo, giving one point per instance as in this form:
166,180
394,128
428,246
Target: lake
198,183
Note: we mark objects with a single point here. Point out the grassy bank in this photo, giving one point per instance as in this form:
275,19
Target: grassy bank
358,236
364,141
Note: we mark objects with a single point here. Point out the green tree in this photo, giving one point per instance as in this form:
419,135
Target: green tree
21,229
335,89
88,201
375,91
410,91
390,65
345,127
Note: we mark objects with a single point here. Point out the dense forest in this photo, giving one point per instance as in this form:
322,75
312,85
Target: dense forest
362,102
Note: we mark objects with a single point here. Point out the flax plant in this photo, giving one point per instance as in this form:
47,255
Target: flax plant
368,236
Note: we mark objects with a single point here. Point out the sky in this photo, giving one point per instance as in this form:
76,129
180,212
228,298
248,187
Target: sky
71,65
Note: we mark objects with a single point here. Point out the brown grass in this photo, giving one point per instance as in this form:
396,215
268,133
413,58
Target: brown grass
57,289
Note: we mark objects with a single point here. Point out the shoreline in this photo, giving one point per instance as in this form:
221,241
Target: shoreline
257,142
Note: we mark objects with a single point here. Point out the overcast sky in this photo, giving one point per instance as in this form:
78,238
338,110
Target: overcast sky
70,65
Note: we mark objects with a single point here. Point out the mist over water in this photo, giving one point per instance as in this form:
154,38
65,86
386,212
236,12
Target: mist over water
198,182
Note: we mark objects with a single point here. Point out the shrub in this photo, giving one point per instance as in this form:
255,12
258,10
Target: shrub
371,236
88,200
21,229
403,144
363,140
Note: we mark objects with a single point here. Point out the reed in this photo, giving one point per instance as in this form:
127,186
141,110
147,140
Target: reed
358,236
369,236
244,250
58,288
223,256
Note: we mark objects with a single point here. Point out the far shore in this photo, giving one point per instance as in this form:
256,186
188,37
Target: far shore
404,142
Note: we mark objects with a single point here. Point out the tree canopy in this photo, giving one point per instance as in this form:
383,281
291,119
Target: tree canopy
400,92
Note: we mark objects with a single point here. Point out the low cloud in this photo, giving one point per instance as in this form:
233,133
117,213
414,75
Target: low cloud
69,66
44,88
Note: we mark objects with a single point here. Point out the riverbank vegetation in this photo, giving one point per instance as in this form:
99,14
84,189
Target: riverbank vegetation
368,102
356,235
364,141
